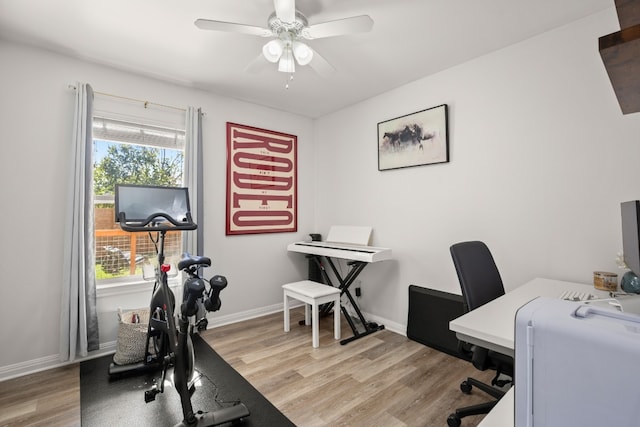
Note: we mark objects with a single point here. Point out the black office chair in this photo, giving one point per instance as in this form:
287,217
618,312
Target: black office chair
480,282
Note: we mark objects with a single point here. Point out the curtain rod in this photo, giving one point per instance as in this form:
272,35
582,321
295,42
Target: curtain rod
145,103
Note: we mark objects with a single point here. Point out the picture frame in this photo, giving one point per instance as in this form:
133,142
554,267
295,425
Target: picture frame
416,139
262,181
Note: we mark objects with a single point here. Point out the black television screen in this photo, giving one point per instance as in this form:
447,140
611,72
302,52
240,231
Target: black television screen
630,234
139,202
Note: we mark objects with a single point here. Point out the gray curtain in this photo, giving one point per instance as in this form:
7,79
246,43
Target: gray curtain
78,316
193,241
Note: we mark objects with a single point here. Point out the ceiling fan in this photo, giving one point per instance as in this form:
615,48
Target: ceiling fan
288,27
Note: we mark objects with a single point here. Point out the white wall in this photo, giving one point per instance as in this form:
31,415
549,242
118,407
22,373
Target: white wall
36,108
541,157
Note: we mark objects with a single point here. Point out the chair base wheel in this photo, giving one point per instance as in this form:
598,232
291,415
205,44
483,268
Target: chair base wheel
465,387
453,420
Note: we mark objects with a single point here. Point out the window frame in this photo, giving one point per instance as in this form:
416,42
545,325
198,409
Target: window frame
154,135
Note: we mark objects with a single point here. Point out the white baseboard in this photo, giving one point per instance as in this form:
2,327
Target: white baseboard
53,361
29,366
217,320
388,324
49,362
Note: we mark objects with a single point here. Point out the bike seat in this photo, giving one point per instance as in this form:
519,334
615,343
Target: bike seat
189,260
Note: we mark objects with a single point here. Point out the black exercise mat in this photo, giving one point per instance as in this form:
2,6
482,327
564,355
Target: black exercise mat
120,401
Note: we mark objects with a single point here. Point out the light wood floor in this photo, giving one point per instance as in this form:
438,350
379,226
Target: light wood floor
383,379
49,398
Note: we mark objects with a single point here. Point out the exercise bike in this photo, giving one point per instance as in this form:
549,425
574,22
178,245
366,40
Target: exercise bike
169,344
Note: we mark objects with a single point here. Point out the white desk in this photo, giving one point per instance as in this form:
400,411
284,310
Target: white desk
502,414
493,326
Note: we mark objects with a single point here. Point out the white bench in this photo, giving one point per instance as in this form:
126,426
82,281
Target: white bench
313,294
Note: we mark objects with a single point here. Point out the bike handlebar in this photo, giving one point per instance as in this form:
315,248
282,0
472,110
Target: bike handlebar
151,223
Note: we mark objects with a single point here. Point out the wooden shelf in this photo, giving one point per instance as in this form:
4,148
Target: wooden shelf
620,53
628,12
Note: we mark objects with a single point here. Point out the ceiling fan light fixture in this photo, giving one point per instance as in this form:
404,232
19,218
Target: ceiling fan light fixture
287,63
289,27
272,51
302,53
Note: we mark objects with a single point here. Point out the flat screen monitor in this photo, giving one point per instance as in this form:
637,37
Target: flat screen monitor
630,234
139,202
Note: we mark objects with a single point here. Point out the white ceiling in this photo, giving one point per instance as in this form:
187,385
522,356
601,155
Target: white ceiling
410,39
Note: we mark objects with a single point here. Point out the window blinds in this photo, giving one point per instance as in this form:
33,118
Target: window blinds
136,133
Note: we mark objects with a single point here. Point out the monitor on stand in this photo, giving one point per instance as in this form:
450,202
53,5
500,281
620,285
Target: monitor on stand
630,212
144,204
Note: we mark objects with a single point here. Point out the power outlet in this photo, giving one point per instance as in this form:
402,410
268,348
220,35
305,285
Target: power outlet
357,284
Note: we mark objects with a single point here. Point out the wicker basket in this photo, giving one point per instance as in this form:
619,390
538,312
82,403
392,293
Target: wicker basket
132,336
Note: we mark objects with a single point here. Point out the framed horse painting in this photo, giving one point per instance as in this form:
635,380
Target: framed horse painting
416,139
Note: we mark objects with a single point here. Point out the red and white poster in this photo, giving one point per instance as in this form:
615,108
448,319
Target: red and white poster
262,189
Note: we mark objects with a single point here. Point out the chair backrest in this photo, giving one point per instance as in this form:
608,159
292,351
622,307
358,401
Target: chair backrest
478,275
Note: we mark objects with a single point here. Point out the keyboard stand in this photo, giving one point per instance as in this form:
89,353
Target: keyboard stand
355,268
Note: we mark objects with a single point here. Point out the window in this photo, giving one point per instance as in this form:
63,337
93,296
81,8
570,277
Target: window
131,153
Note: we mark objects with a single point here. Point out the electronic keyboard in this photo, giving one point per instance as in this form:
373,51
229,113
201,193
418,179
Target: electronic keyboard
361,253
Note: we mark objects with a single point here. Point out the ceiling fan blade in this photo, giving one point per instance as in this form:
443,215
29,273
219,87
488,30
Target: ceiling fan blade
231,27
259,64
320,65
285,10
339,27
